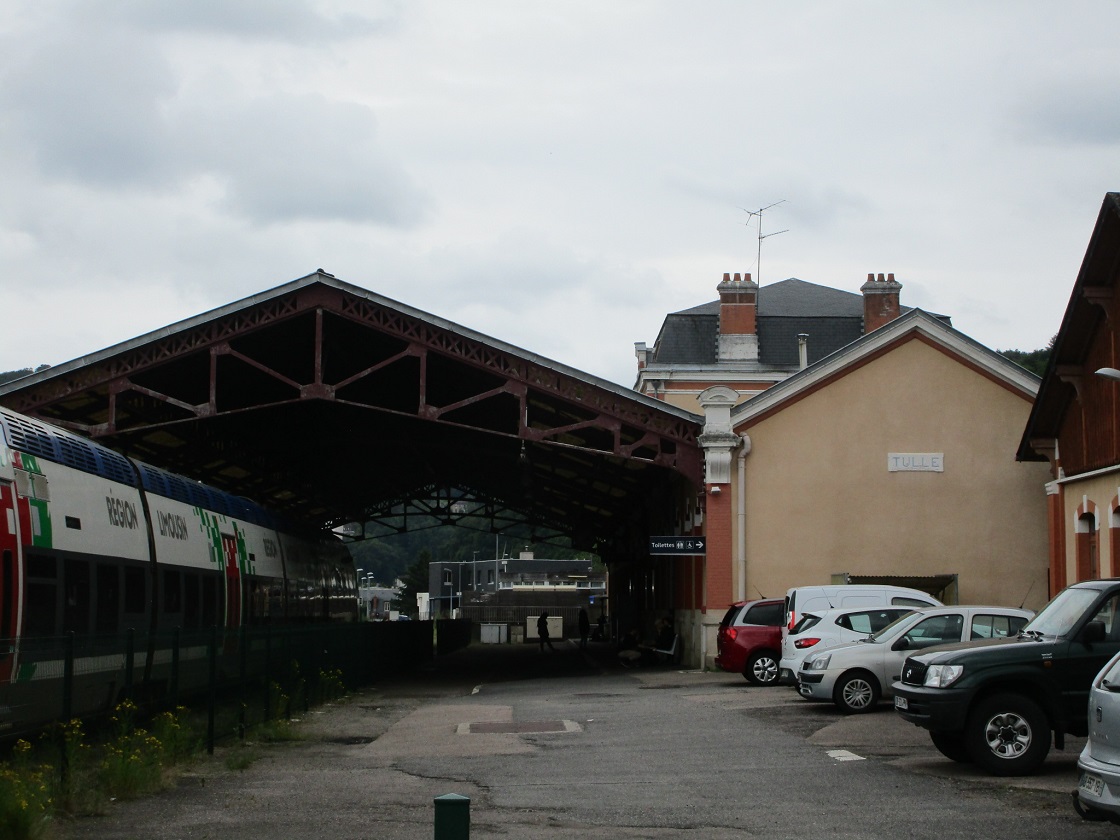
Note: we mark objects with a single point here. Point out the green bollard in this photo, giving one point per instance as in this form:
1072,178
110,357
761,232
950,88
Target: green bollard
453,817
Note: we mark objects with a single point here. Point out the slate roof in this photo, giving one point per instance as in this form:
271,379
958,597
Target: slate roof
832,319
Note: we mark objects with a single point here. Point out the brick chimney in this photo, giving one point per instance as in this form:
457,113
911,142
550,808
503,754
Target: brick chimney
738,318
880,301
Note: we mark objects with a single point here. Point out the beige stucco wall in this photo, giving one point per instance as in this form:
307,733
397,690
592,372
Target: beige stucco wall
690,400
820,500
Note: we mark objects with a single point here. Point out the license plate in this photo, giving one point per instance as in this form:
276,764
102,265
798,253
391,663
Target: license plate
901,703
1093,785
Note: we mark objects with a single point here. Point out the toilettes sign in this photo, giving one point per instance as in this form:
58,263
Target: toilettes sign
915,462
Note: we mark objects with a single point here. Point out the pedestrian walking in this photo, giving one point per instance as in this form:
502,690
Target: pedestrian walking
542,632
584,628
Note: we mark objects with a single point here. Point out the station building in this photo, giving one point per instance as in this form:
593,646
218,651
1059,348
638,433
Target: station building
848,439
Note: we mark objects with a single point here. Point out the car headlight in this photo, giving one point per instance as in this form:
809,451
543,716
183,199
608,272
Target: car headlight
942,676
818,662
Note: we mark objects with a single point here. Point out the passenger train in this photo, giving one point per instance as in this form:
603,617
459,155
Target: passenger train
95,544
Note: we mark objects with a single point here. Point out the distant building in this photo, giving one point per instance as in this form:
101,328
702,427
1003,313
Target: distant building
524,582
450,581
376,600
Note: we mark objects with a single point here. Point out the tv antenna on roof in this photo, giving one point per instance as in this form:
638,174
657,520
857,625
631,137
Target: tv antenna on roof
750,215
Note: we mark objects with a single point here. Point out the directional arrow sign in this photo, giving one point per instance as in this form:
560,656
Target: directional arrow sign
676,545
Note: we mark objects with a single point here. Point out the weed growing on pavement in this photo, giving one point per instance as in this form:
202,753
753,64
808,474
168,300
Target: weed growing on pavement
331,685
26,796
132,762
240,757
64,774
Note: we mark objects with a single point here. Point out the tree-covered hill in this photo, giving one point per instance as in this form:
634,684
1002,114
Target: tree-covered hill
9,375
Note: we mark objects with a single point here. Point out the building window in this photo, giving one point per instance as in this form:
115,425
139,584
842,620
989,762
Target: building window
1088,557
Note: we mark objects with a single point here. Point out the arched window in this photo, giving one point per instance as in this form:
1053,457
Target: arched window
1088,547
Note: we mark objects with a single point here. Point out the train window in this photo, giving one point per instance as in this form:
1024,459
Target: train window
41,567
209,601
76,589
191,602
172,591
41,610
74,522
108,598
135,590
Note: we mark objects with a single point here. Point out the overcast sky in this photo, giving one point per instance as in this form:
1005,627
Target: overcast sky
558,175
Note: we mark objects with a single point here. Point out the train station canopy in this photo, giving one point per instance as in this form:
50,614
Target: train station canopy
341,408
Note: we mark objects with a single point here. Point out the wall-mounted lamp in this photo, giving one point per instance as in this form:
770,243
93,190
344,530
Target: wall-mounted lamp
715,491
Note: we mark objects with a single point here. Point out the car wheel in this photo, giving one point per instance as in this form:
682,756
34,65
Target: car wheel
762,668
856,692
1008,735
951,745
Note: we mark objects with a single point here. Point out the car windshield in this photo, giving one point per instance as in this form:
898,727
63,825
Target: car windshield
892,629
1058,617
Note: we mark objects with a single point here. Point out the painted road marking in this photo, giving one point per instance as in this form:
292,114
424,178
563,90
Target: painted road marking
844,755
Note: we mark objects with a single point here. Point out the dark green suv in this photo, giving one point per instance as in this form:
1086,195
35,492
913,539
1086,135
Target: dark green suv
996,701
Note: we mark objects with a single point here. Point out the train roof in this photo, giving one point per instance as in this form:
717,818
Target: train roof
43,440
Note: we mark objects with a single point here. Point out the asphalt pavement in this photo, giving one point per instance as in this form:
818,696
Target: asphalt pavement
569,744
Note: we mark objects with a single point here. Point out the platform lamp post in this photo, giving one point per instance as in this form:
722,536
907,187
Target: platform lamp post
1109,373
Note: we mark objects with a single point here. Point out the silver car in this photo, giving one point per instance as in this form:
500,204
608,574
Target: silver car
856,676
1098,789
816,631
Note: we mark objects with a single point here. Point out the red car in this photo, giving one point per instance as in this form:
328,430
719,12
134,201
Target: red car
749,641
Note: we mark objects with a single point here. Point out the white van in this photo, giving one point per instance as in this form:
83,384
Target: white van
803,599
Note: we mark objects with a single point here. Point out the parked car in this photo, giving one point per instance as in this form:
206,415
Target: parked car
804,599
816,631
749,640
856,676
1000,702
1098,789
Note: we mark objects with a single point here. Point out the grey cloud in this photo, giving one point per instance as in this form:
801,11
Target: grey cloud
107,112
1079,112
286,157
91,108
260,20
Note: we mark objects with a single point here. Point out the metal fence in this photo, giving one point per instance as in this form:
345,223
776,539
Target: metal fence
266,671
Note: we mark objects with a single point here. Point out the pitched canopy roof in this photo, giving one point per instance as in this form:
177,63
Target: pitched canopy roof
332,404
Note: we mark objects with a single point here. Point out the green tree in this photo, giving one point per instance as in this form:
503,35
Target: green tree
1033,360
415,580
9,375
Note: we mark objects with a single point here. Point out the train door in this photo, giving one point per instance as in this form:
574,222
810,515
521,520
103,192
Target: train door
233,582
9,578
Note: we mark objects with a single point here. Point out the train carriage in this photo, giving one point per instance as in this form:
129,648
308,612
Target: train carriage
95,545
